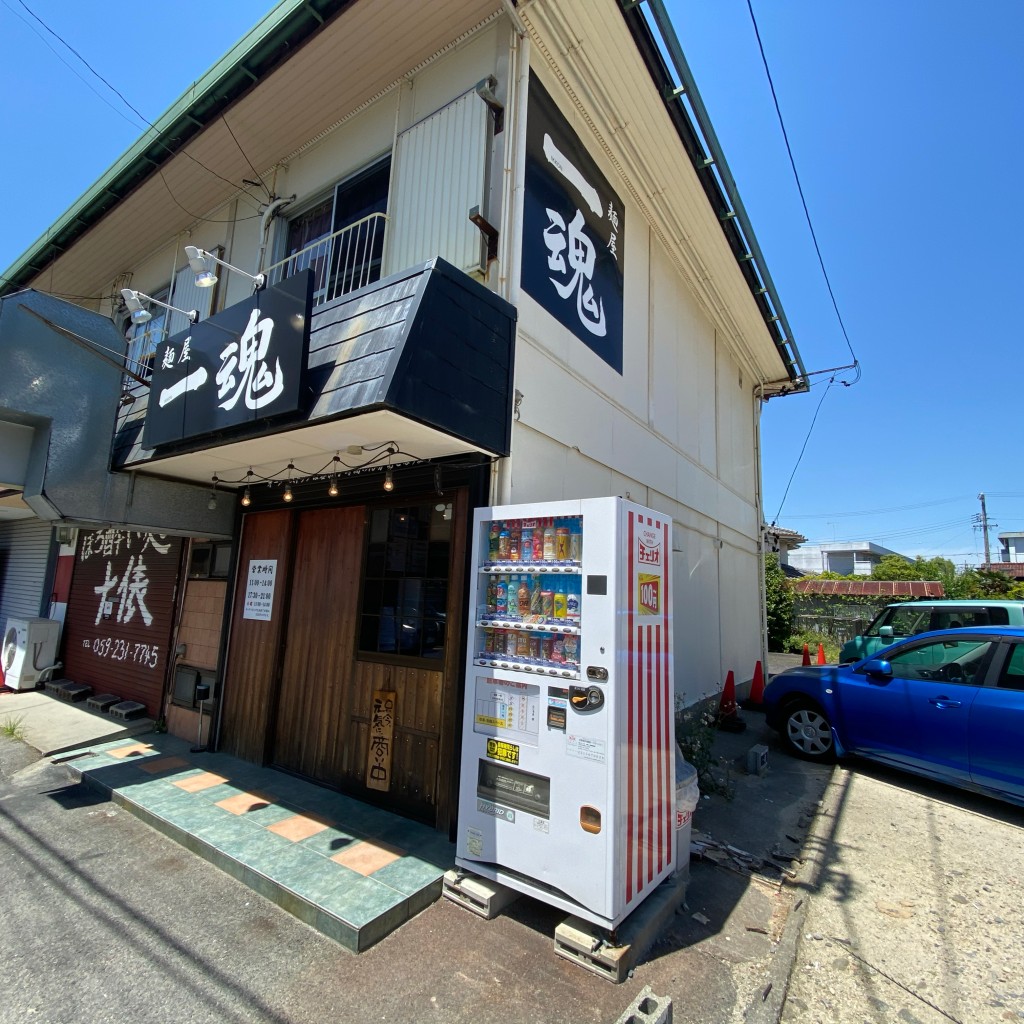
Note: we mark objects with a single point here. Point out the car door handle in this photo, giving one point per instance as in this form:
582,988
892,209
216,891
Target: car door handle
943,702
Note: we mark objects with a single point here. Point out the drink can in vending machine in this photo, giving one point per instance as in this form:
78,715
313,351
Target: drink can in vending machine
572,606
562,544
558,604
547,604
570,648
558,650
511,643
535,648
523,645
536,600
575,546
546,646
501,596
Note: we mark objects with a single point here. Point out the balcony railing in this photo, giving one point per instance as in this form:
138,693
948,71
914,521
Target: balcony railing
341,262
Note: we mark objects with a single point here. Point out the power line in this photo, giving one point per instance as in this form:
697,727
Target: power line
135,111
800,189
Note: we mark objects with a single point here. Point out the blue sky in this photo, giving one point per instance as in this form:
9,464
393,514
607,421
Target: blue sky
906,127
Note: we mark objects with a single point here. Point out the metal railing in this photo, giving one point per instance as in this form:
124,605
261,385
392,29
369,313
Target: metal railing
341,262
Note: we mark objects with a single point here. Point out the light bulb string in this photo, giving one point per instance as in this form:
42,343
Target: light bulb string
382,451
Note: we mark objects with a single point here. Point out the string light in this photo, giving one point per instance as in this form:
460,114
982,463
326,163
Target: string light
332,491
376,456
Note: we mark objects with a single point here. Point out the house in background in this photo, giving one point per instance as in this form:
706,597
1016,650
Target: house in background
781,542
846,558
1011,556
489,254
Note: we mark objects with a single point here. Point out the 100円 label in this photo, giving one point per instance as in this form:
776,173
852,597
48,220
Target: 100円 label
501,750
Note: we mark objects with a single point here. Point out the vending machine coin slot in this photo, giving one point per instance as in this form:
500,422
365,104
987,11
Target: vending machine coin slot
597,673
590,819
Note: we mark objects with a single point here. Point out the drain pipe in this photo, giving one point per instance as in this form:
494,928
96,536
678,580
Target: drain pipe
265,218
512,215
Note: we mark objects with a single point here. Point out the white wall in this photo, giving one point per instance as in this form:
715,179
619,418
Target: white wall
674,431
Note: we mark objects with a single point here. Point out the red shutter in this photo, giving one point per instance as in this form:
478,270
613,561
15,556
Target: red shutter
120,615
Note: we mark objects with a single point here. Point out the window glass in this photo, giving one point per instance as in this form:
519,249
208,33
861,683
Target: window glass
953,661
405,587
144,338
1012,676
905,621
336,240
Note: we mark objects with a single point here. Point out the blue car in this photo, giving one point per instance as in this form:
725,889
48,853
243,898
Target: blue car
948,705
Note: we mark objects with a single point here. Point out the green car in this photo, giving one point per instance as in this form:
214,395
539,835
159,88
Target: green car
908,618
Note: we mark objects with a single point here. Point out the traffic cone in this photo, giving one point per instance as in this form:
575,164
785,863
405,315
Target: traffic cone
807,655
755,702
821,655
728,718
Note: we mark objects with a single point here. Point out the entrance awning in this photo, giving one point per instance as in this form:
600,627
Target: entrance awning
422,359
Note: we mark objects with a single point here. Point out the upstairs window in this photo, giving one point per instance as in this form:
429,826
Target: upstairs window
341,238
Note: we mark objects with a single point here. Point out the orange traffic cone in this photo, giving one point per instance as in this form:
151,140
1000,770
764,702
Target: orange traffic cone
728,718
821,655
755,702
807,655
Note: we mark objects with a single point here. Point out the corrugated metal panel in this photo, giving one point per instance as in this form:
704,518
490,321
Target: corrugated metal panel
25,546
439,175
186,295
121,613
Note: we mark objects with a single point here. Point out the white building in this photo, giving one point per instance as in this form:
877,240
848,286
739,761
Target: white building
529,281
847,558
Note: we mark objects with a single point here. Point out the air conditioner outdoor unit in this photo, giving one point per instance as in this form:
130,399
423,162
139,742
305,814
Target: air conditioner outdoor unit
30,645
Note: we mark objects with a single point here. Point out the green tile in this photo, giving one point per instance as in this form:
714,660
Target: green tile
330,841
319,880
407,875
224,827
363,901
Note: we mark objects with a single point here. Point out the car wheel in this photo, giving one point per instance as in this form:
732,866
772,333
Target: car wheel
808,733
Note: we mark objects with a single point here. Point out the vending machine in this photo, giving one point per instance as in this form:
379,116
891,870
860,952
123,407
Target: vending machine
568,746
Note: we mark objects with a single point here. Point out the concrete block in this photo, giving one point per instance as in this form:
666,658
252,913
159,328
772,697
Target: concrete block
127,710
73,692
757,759
648,1008
102,701
587,944
482,896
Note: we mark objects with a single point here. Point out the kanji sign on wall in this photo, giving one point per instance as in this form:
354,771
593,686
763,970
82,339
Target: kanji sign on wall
239,367
121,613
573,232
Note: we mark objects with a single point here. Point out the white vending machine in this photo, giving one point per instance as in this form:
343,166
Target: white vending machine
568,746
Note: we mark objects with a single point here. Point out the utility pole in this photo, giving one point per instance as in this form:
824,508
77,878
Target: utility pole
984,528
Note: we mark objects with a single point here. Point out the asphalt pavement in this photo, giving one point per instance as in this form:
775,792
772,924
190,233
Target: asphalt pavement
86,868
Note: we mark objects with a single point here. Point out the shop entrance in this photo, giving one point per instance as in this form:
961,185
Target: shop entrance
348,673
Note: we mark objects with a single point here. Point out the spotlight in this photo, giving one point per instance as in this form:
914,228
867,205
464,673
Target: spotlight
199,260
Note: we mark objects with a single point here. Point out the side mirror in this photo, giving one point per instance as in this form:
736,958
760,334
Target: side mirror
885,631
877,668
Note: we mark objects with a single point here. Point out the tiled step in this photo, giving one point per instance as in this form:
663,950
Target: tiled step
353,872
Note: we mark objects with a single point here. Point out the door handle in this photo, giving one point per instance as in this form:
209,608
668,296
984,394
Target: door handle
943,702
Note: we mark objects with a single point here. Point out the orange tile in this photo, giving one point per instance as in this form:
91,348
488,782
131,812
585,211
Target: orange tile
164,764
132,750
197,783
298,828
242,803
368,856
